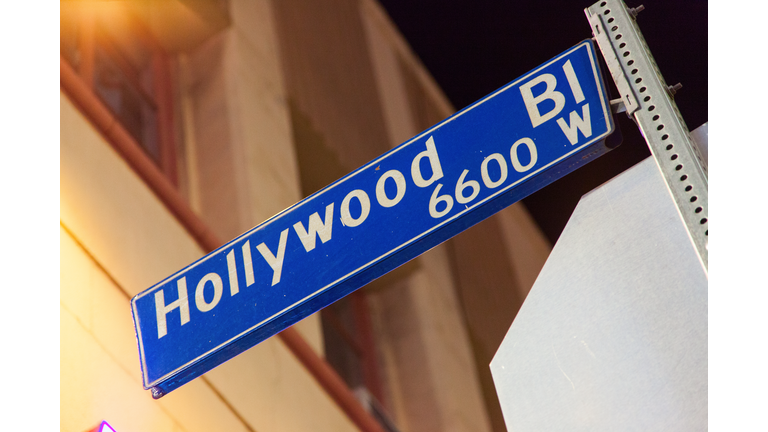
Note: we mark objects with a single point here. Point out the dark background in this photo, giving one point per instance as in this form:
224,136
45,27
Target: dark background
474,47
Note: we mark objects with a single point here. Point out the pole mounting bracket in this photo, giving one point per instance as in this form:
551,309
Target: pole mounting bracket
648,100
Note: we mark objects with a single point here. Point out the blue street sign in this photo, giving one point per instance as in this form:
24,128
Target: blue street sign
489,155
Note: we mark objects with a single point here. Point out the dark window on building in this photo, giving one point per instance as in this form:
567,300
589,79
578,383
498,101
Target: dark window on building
125,85
118,59
349,343
342,346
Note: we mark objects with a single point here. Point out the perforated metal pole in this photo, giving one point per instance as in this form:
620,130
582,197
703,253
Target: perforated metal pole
649,101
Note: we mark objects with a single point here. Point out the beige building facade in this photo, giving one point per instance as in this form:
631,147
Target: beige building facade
185,123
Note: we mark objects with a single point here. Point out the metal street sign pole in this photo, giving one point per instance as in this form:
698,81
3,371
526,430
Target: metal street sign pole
491,154
650,102
627,339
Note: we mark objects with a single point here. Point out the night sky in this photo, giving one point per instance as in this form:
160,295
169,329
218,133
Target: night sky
474,47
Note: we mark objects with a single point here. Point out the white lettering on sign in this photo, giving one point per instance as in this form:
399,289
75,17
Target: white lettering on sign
435,200
234,288
162,310
365,208
573,82
513,153
381,195
468,190
502,167
532,102
577,123
218,288
248,262
434,162
582,124
316,226
461,186
276,262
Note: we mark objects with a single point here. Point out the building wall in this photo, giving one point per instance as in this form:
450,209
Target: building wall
118,239
491,266
238,142
284,99
427,351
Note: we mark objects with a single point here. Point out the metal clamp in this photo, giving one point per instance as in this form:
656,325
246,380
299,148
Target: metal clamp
649,101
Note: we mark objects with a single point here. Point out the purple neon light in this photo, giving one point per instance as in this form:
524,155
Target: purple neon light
105,427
